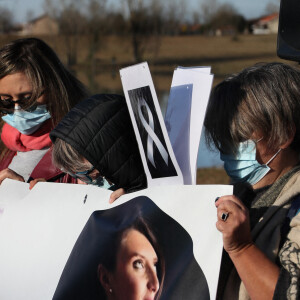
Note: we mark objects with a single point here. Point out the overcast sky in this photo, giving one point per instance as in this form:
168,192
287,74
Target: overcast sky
20,8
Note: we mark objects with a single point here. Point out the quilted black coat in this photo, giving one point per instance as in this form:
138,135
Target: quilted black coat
100,129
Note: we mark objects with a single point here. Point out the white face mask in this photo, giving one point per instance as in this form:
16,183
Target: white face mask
27,122
243,167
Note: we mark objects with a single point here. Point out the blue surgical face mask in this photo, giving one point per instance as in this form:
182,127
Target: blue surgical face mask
86,177
27,122
102,182
243,166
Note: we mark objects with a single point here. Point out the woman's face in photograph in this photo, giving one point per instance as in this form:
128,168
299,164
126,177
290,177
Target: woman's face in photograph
135,277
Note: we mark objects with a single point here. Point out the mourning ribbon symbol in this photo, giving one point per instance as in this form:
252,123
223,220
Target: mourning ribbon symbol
152,137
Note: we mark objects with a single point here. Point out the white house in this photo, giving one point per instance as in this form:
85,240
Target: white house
266,25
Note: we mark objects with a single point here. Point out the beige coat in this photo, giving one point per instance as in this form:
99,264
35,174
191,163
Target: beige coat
266,235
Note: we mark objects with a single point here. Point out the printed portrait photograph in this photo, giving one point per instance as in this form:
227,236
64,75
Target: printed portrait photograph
132,251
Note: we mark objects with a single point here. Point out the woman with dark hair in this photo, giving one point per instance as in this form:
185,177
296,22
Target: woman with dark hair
95,143
253,119
36,91
132,266
132,251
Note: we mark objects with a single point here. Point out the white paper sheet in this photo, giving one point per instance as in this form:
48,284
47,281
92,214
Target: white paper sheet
16,190
201,69
199,81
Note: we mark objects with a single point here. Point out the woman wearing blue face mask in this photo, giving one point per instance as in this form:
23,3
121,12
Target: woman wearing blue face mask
95,143
253,120
36,91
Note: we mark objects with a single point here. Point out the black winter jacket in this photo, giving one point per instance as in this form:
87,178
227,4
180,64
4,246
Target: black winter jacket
100,129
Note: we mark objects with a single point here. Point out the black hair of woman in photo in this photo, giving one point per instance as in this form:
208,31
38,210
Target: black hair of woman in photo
132,251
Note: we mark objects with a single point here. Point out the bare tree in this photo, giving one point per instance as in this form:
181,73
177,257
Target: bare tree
145,21
29,15
157,19
223,16
77,18
5,20
272,7
175,12
208,10
227,15
51,8
116,23
196,17
72,24
96,26
171,24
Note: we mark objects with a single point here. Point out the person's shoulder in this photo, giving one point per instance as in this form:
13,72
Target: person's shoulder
292,185
294,233
294,210
294,216
295,178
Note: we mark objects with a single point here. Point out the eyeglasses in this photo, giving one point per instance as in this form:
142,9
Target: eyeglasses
84,175
7,105
258,140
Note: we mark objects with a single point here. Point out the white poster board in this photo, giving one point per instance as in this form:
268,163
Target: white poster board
38,231
185,113
157,155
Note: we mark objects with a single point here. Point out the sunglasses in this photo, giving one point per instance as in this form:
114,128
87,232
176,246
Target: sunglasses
7,105
84,175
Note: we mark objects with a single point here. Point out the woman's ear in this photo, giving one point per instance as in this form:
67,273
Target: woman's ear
105,278
290,138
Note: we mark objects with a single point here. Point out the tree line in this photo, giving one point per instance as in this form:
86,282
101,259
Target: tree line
144,21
